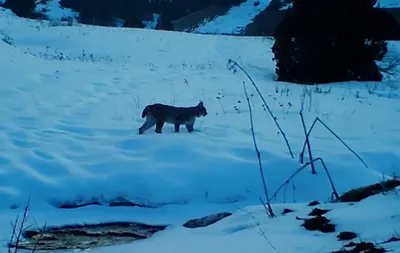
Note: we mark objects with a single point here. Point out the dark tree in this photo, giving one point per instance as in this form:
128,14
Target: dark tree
96,12
21,8
275,5
133,12
133,22
105,12
330,41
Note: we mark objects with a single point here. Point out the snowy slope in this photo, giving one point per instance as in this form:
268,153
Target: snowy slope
103,89
54,11
234,21
388,3
71,104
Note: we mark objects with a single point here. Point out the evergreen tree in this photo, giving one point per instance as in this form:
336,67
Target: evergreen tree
96,12
21,8
329,41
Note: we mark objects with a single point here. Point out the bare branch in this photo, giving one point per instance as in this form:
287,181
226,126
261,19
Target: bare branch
308,143
14,229
301,156
270,211
265,104
334,134
21,228
300,169
262,233
17,235
337,137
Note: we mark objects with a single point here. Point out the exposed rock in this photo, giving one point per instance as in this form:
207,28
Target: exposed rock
346,235
74,237
313,203
287,210
206,220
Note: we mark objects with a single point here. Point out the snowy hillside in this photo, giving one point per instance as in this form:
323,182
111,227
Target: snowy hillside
233,22
54,11
71,104
388,3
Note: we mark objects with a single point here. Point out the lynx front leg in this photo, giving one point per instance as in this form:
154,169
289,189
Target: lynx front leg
190,127
146,125
177,125
159,126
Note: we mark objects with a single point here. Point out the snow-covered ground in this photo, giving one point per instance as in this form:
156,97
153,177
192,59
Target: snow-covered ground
54,11
388,3
235,20
71,104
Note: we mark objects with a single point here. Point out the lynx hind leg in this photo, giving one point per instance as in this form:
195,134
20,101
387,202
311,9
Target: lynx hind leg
159,126
149,123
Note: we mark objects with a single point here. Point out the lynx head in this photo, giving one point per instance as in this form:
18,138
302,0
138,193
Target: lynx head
201,110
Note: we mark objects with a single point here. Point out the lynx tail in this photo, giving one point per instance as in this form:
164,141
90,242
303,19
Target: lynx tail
145,110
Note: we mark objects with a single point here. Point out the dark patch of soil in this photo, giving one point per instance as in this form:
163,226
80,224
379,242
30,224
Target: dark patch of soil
319,223
362,247
72,237
113,203
313,203
206,220
317,211
361,193
345,235
125,202
287,210
72,205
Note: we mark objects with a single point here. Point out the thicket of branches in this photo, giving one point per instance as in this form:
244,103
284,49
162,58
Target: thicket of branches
232,65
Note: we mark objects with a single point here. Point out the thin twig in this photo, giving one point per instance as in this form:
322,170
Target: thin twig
265,104
21,228
308,143
334,134
262,233
270,212
294,191
337,137
39,239
329,178
18,235
300,169
301,156
288,180
14,229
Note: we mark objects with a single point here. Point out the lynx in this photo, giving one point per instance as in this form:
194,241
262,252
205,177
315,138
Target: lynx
158,114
